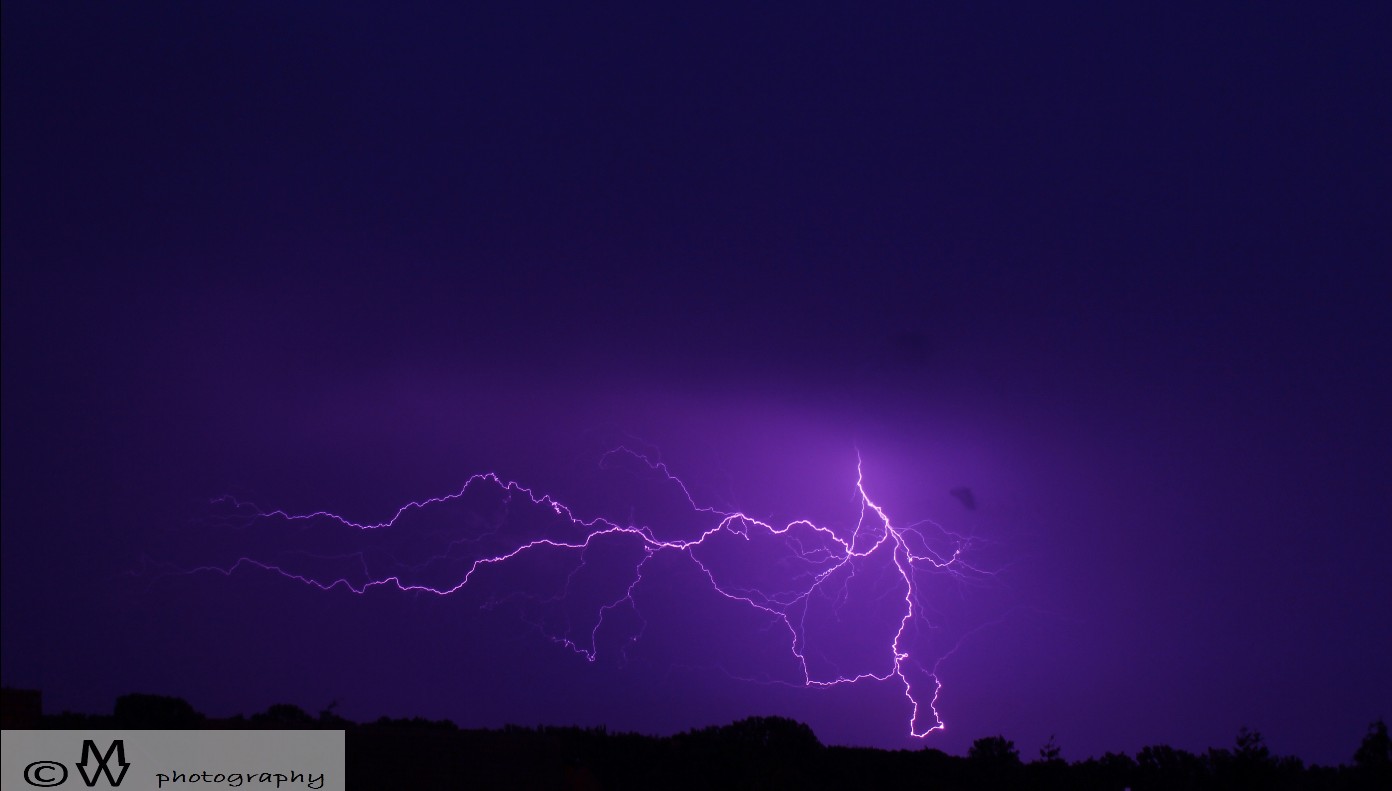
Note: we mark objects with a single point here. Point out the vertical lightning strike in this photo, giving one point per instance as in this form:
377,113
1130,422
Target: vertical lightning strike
830,559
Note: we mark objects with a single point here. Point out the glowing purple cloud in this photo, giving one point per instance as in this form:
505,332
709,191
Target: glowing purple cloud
821,587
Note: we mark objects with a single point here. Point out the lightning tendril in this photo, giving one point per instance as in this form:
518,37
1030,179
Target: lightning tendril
804,579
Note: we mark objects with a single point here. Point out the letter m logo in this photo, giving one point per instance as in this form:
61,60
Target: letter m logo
95,764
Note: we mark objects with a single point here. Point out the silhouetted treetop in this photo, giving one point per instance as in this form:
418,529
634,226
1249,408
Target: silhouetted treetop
1050,752
284,715
771,733
1373,759
994,751
143,711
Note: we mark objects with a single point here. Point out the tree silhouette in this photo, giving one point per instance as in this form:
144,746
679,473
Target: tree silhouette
1251,747
1373,759
155,712
1050,752
284,715
328,718
1250,764
779,734
755,752
995,760
1050,770
994,751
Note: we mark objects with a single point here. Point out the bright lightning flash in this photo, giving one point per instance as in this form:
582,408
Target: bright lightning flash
814,573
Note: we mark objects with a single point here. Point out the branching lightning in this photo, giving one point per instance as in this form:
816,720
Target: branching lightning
800,576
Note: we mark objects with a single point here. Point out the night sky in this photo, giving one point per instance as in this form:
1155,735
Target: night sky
1123,275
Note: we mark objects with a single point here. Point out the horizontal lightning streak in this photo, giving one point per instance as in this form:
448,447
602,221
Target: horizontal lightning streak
874,533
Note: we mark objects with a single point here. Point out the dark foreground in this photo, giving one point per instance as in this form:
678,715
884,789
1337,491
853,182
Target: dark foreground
758,752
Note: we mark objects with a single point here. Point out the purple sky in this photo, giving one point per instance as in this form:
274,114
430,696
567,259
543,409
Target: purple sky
1123,274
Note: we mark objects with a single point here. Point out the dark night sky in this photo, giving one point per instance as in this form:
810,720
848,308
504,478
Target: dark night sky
1123,273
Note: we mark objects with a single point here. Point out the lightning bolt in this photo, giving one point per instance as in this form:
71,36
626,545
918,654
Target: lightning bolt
807,580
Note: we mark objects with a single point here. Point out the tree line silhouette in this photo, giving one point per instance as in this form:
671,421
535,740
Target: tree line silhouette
752,753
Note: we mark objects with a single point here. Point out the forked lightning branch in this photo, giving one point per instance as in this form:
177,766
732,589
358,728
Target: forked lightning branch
800,578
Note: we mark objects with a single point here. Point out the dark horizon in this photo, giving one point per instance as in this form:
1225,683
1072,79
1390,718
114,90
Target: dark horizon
1099,296
23,709
754,752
